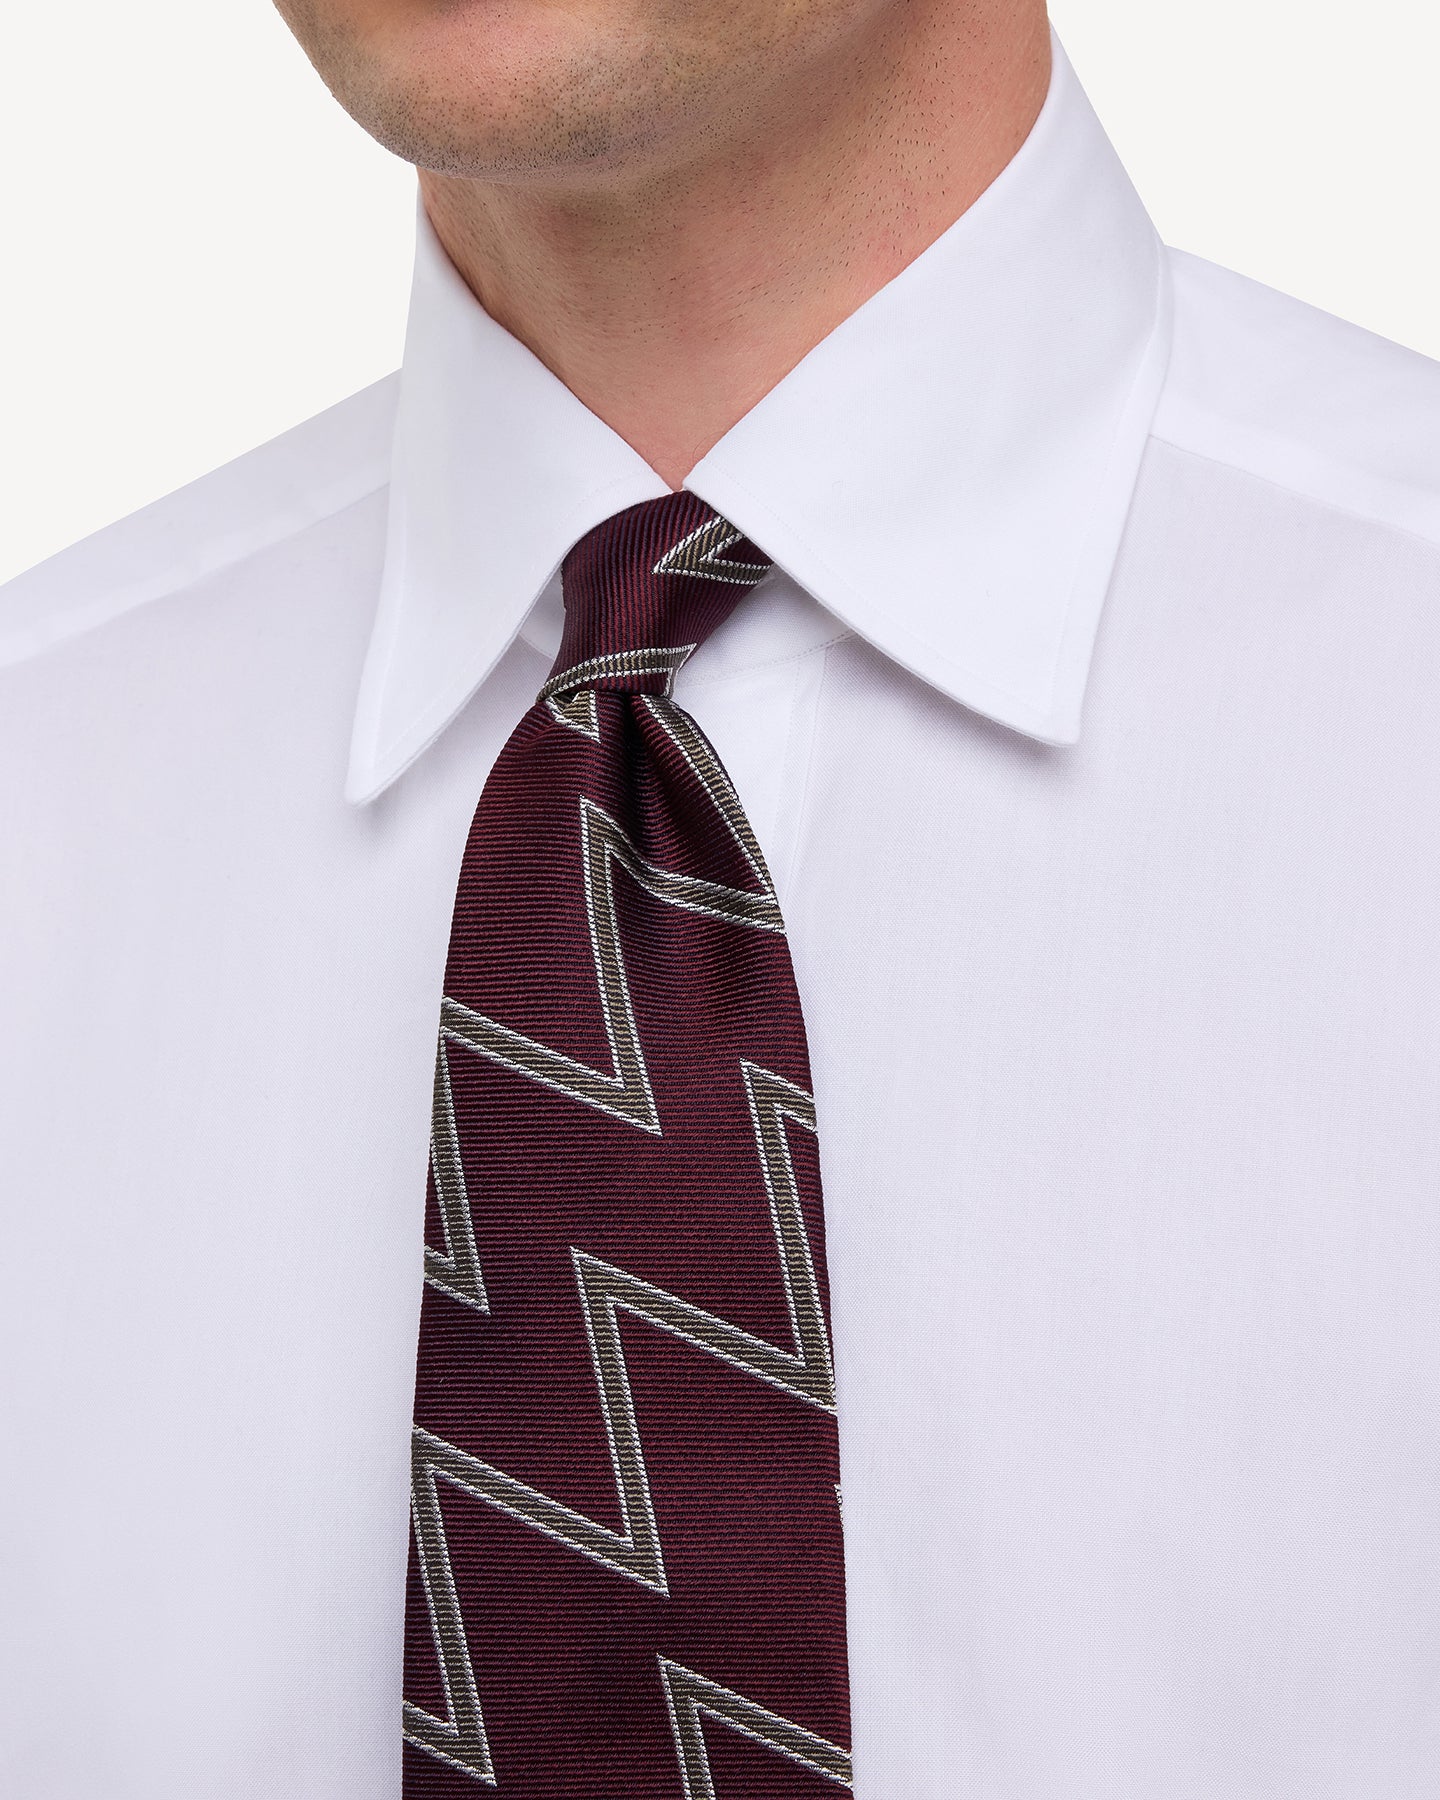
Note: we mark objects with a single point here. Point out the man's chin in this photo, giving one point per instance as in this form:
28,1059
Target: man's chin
492,89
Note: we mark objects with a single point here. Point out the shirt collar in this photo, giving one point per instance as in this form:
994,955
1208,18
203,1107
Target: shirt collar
948,472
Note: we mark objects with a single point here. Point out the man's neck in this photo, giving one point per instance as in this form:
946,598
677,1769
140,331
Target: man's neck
671,300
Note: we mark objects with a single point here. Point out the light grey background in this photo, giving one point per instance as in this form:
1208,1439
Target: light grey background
200,249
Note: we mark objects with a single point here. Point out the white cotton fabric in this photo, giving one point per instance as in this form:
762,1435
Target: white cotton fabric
1125,1026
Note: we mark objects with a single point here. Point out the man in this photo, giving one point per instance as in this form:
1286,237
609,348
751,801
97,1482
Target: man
1063,611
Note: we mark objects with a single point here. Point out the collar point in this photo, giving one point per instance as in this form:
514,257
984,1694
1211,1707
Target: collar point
1056,726
362,786
371,771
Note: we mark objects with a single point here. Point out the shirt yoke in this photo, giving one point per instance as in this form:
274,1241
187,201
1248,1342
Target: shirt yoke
1278,389
258,500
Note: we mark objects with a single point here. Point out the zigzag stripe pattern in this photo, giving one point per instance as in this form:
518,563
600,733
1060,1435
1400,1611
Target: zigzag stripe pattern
702,552
457,1271
690,1695
458,1739
624,1089
801,1369
617,662
605,1292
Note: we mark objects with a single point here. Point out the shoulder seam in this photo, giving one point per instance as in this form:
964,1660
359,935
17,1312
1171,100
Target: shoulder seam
290,510
1383,501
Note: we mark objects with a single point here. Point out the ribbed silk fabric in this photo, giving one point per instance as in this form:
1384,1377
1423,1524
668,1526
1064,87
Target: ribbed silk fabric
626,1574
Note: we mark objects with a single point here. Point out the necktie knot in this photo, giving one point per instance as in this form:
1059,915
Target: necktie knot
643,590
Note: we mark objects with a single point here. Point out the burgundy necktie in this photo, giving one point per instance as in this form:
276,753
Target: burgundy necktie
626,1577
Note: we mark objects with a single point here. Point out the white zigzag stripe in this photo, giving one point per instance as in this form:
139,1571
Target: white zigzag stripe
457,1271
605,1291
624,1090
700,554
688,1695
458,1739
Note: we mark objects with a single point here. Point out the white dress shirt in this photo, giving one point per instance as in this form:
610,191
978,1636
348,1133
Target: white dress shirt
1125,1032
